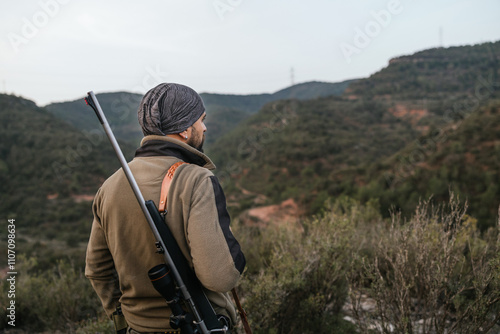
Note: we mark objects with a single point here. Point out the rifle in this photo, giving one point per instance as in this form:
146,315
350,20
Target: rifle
174,280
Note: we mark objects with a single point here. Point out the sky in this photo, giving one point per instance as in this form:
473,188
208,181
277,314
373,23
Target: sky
57,50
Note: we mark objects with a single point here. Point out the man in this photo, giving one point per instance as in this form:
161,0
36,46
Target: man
122,249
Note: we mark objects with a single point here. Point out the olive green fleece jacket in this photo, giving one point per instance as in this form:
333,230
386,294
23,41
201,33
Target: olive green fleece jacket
121,247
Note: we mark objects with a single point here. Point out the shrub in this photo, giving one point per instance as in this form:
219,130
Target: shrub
101,325
303,286
435,273
432,274
58,298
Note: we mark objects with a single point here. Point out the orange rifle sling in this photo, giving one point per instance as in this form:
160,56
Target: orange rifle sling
165,185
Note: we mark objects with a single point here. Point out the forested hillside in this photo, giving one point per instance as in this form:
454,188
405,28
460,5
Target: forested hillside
463,158
289,148
308,150
440,72
49,170
315,149
120,109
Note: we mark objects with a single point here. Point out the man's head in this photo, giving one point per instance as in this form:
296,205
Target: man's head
173,110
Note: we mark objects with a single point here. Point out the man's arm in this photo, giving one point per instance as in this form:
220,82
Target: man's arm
217,257
100,268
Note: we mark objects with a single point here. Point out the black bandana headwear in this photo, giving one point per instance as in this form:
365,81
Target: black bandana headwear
169,108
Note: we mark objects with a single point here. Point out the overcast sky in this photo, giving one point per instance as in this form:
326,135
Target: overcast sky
57,50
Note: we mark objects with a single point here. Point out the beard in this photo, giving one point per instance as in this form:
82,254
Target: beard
196,141
200,147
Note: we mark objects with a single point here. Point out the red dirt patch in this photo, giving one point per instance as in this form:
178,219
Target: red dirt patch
82,198
285,214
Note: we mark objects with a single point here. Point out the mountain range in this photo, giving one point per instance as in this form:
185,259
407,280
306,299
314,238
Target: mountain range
224,111
422,126
380,139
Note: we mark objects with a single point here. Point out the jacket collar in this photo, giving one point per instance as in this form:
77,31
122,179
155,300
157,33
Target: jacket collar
165,146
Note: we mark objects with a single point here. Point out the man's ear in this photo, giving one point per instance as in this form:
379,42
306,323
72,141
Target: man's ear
179,136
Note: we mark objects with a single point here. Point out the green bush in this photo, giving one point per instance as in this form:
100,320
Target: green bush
302,287
435,273
56,299
101,325
432,274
